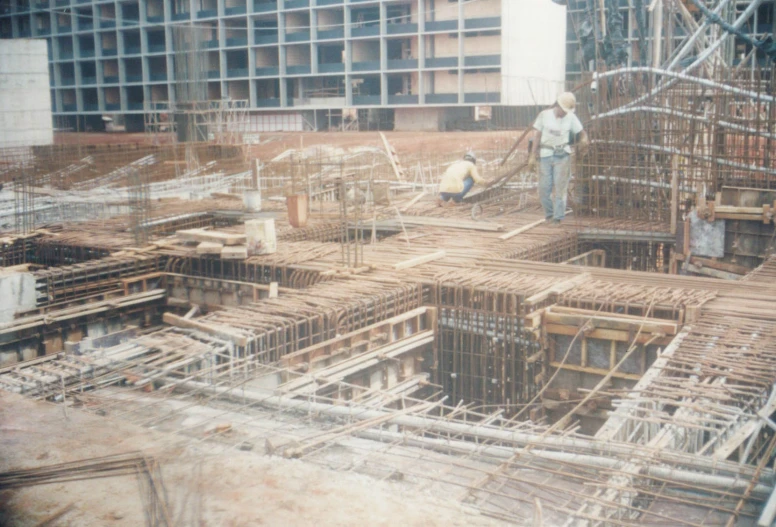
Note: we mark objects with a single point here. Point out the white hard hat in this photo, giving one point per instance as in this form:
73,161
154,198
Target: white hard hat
567,102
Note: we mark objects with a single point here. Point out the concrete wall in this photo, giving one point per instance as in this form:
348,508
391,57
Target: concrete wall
25,97
417,119
17,291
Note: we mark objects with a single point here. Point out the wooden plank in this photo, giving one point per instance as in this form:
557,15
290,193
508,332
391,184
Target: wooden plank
452,223
201,235
419,260
209,248
557,289
217,331
607,334
647,326
596,371
414,200
397,170
520,230
234,252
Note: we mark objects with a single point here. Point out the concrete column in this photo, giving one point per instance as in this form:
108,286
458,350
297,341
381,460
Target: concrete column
346,17
383,55
282,60
313,39
461,52
421,50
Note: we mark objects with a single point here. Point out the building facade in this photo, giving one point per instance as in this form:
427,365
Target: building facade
298,62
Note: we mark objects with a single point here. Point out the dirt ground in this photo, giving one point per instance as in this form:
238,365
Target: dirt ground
204,489
276,143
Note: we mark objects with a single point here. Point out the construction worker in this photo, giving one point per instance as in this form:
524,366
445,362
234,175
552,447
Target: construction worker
458,179
553,130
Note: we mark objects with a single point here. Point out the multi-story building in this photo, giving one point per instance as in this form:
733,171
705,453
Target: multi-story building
296,61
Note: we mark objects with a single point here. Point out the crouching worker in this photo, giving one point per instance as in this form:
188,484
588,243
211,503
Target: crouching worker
458,179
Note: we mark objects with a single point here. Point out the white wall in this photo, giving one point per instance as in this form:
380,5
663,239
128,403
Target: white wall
533,55
25,97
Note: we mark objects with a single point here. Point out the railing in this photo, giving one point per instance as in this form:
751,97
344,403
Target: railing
325,34
88,80
488,98
442,62
403,99
442,25
493,22
236,41
157,77
366,100
263,7
366,66
298,70
397,29
331,67
207,13
68,81
237,72
112,107
268,103
134,78
267,71
296,4
402,64
109,52
69,107
298,36
157,48
155,19
236,10
482,60
131,50
135,106
265,38
442,98
181,16
213,74
110,79
368,31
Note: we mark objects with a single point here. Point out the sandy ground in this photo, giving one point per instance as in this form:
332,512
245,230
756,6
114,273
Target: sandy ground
234,489
276,143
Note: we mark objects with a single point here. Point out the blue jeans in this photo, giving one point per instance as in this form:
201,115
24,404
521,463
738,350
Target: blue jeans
554,172
468,183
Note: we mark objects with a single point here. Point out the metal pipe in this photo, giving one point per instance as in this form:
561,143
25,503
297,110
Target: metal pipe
687,46
602,450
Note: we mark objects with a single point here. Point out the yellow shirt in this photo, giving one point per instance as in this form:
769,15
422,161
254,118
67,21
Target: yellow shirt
452,180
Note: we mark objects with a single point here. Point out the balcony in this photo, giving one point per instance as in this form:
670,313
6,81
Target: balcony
112,107
129,22
442,62
134,78
296,4
263,7
403,64
110,79
487,98
332,67
62,3
403,99
157,48
107,24
366,100
236,10
67,81
135,106
85,26
268,71
368,31
329,2
69,107
371,65
442,98
265,38
109,52
298,70
155,19
213,74
399,29
298,36
88,80
65,55
91,107
86,54
442,25
211,43
157,77
237,72
131,50
268,103
207,13
64,29
493,22
180,16
482,60
236,41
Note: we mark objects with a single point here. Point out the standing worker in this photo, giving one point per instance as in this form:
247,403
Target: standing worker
458,179
553,130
